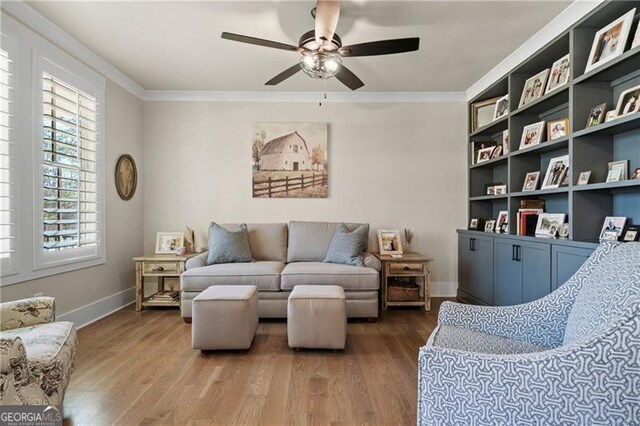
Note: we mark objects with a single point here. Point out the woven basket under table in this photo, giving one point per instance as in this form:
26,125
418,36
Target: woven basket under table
403,292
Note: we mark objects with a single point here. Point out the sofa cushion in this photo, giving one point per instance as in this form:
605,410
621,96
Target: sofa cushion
228,246
309,241
450,337
320,273
268,241
264,275
346,247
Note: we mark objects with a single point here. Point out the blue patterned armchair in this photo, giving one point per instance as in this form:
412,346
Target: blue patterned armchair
570,358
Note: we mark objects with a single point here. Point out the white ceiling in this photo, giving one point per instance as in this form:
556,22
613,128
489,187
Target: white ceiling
177,45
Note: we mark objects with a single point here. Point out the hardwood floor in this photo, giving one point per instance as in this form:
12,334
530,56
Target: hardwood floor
139,368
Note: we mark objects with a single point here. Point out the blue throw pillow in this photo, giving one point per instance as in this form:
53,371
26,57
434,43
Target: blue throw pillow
228,247
347,247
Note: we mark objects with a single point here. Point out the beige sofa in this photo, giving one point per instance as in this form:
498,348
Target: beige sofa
286,256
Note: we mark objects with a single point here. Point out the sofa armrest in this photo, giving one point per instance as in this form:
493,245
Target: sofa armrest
197,261
27,312
371,261
19,385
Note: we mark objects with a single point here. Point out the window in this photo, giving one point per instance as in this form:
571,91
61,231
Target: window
295,148
7,166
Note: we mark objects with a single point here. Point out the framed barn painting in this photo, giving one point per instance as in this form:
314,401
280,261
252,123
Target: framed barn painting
289,160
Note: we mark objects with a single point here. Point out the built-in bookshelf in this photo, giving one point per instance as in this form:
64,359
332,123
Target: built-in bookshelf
588,148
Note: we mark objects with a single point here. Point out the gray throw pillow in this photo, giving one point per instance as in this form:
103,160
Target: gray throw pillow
228,247
347,247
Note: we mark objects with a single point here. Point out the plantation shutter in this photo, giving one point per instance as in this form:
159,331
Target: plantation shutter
70,173
7,165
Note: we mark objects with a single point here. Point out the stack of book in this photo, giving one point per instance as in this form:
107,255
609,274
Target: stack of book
167,296
528,216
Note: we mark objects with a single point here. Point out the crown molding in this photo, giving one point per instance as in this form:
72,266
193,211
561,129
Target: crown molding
37,23
565,19
274,96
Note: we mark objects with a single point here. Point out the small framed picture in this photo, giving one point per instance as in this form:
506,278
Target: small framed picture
636,40
505,142
613,176
474,224
636,173
531,181
497,152
485,154
596,116
169,242
628,102
482,113
549,224
533,88
489,225
632,233
610,41
559,75
502,221
612,228
611,115
531,135
583,178
563,232
622,166
389,241
491,190
500,189
502,107
557,129
556,171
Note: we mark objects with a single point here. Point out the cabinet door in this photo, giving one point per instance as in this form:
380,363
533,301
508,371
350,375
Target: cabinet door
483,269
536,270
565,261
465,263
508,283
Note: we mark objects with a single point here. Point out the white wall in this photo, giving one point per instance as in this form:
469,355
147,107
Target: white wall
79,294
390,164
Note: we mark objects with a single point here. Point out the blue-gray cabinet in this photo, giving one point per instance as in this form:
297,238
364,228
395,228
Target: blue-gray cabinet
499,269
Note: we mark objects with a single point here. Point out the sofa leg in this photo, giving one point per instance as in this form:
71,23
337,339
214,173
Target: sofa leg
187,320
372,319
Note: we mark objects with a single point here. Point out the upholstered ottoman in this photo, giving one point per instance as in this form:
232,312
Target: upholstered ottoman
225,317
317,317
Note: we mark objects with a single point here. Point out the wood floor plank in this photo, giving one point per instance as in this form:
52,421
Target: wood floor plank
135,368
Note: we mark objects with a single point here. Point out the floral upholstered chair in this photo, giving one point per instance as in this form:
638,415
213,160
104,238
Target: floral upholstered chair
36,354
572,357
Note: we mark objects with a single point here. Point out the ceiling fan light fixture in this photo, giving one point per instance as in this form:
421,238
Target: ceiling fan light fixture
320,65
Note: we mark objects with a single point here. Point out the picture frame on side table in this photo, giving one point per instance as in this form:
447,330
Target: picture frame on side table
489,225
557,129
559,75
549,224
556,171
610,41
389,241
502,107
533,88
583,178
169,242
532,135
631,233
531,181
482,113
612,228
501,221
628,102
596,116
623,166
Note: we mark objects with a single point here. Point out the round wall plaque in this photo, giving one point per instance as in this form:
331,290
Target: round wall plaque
126,176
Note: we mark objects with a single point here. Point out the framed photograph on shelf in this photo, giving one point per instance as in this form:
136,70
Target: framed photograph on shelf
531,181
636,39
613,176
475,223
497,152
636,173
612,228
532,135
559,75
610,41
489,225
502,107
622,166
583,178
533,88
549,224
505,142
631,233
502,221
557,129
482,113
500,189
611,115
485,154
169,242
389,241
628,102
596,116
563,232
556,171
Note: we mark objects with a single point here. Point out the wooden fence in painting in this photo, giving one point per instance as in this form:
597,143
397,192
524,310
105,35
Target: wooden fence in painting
275,187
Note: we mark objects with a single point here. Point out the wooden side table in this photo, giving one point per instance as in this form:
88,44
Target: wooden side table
411,265
161,267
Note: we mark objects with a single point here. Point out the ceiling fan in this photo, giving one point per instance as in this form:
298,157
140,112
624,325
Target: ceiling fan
322,51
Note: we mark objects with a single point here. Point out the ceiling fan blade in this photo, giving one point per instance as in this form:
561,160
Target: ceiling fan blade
283,75
260,42
382,47
349,79
327,13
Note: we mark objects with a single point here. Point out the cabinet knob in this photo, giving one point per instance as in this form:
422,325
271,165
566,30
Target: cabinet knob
406,268
159,269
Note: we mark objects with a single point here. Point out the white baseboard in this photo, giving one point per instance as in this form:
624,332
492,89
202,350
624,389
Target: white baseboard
99,309
444,289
